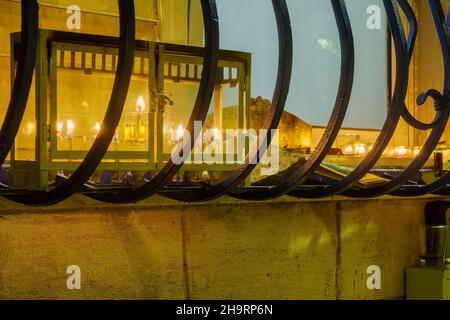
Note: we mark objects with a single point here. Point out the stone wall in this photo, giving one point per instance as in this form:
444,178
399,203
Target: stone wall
158,249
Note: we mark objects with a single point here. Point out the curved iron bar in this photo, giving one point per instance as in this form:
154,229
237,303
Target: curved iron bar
393,117
412,23
272,119
443,28
403,48
113,114
199,114
336,120
24,76
443,113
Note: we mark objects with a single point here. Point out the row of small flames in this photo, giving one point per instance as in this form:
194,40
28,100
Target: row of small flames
363,149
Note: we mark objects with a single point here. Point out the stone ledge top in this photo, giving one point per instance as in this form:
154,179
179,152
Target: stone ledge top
80,202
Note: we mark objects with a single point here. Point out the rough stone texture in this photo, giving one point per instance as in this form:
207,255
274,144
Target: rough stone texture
121,254
388,234
227,249
268,252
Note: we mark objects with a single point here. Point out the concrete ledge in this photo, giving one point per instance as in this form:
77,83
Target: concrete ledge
227,249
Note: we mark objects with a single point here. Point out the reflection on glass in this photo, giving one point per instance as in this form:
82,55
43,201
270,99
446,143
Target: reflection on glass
81,111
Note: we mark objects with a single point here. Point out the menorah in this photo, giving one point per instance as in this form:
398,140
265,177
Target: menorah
294,185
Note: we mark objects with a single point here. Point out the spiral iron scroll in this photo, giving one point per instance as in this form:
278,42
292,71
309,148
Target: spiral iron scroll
295,184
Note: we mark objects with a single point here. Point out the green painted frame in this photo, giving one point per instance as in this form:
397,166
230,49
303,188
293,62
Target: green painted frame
36,172
110,155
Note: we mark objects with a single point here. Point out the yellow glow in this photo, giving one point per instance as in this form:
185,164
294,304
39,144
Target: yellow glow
140,105
180,133
59,127
361,149
70,128
29,128
393,152
416,152
348,150
402,151
96,129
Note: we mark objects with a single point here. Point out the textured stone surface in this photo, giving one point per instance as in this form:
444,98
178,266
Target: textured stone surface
268,251
389,234
121,254
227,249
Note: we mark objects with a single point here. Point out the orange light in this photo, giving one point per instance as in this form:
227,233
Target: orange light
349,150
401,151
140,105
180,133
361,150
59,128
70,129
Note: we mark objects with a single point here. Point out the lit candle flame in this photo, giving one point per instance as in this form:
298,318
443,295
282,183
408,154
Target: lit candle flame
180,133
348,150
70,129
97,128
140,105
361,150
116,136
59,128
402,151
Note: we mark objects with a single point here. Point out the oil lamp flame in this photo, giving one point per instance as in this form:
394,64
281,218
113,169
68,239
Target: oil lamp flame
402,151
96,129
59,128
70,129
140,105
180,133
349,150
361,150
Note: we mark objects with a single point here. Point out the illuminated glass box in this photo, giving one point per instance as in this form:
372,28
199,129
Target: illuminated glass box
73,82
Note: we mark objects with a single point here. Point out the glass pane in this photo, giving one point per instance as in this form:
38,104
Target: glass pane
80,112
25,145
316,72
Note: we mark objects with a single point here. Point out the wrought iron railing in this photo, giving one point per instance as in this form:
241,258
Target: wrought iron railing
294,185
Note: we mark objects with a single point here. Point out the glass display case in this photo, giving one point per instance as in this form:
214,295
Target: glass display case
61,124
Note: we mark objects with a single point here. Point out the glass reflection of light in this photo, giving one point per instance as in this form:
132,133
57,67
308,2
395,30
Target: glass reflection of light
96,130
180,133
70,129
140,105
361,150
402,151
59,128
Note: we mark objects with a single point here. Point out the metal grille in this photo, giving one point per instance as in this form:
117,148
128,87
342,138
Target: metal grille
294,185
